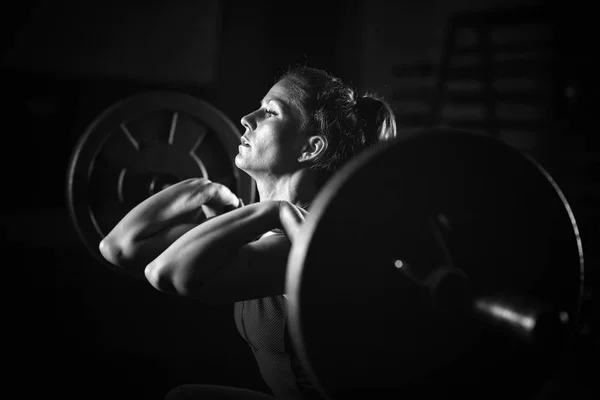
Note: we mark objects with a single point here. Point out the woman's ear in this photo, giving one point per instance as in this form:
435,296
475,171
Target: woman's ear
313,148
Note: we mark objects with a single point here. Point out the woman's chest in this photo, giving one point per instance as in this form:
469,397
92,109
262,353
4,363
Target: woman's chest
261,323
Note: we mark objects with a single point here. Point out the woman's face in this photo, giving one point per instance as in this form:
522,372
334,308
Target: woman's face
271,142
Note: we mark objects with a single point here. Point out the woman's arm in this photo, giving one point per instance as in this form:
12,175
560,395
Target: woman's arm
154,224
219,250
258,269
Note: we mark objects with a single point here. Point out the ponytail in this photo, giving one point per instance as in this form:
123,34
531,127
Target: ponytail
378,122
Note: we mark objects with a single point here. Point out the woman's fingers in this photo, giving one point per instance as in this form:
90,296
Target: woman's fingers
291,218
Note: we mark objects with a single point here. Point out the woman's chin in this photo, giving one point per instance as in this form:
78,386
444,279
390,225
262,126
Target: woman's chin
240,162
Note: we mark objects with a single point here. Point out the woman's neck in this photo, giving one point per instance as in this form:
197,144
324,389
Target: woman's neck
298,188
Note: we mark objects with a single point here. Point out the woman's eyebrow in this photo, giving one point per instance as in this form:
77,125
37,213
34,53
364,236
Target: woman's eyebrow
277,100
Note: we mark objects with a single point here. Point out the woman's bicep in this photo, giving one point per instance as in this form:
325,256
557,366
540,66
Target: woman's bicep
257,270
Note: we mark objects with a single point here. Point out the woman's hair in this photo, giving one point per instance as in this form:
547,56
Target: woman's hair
333,109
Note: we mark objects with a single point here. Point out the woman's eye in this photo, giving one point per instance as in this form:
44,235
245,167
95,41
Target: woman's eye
270,113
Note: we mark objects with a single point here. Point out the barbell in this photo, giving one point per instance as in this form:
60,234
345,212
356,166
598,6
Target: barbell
429,263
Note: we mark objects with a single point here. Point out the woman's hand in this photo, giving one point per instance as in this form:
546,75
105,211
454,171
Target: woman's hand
218,198
208,198
292,218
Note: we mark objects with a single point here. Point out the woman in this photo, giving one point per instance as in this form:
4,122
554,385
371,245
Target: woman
308,125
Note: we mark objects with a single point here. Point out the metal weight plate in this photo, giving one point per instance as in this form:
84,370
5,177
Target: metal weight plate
140,145
360,323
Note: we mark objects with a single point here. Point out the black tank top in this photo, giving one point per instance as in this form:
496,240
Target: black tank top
262,323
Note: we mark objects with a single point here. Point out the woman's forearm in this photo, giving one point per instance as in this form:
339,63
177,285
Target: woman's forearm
198,254
150,227
177,204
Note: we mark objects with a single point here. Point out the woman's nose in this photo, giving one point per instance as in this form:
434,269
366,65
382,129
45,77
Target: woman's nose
248,122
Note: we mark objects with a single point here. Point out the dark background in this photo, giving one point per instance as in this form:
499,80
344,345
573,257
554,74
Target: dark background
77,330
